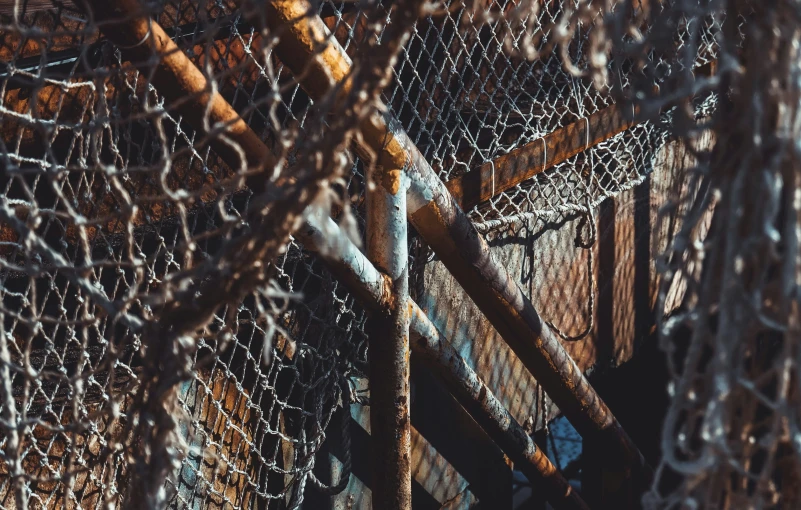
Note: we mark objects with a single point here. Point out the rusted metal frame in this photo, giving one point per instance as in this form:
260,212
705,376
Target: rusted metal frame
509,170
451,234
447,229
388,334
372,288
391,153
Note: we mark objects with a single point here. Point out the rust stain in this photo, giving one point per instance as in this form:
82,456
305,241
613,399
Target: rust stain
317,64
390,179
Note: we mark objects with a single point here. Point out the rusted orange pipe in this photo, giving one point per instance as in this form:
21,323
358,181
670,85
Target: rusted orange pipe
390,403
388,333
130,27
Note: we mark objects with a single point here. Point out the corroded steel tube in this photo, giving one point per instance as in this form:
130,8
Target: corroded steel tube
128,25
388,333
352,268
318,60
465,385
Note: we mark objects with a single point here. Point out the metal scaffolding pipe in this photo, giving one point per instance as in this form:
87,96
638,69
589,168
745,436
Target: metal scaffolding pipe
353,269
388,334
318,60
178,79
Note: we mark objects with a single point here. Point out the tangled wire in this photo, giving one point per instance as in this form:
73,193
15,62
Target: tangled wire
116,239
732,436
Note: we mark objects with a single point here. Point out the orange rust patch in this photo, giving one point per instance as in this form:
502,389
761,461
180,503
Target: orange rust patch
303,37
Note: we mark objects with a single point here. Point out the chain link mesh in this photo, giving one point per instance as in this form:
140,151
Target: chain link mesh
114,205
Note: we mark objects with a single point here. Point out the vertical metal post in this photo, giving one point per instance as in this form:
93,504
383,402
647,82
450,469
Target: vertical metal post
389,342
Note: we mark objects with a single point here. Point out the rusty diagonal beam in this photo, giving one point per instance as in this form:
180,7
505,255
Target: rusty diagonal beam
375,289
316,58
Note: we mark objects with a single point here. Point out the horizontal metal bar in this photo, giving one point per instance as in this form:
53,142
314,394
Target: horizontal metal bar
352,268
504,172
509,170
320,62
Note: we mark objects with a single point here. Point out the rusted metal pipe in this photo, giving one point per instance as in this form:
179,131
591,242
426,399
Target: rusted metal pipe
388,334
191,89
129,26
318,60
465,385
362,279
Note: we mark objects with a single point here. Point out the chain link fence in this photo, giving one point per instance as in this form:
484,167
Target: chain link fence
121,208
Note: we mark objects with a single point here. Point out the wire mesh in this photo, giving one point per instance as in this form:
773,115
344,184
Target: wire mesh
115,205
110,206
730,438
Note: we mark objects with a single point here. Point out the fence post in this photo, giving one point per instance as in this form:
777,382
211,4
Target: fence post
389,342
